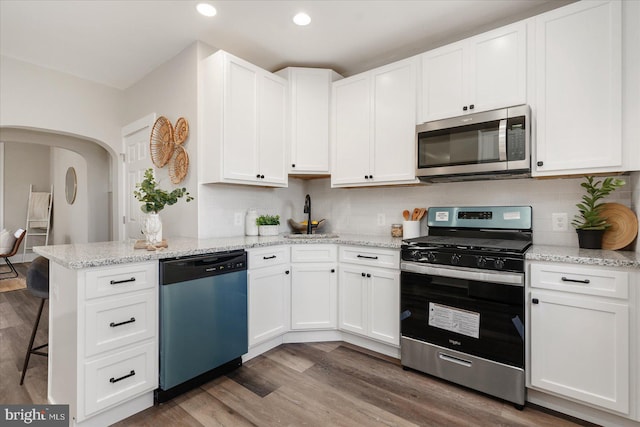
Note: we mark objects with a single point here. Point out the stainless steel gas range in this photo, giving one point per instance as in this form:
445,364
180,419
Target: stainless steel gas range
462,298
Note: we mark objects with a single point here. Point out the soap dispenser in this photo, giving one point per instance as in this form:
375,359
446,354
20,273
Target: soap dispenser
250,226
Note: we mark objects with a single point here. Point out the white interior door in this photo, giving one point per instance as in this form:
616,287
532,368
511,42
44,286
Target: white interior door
135,138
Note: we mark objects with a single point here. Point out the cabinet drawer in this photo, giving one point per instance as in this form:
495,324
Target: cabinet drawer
580,280
117,280
314,253
374,257
117,322
116,378
273,255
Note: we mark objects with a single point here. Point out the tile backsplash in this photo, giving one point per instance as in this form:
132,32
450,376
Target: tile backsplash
360,210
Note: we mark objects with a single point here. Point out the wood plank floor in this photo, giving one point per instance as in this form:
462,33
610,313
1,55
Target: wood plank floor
316,384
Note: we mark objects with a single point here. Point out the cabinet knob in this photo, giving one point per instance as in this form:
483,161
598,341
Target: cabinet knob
464,108
333,270
541,163
286,272
368,275
471,107
535,301
258,176
261,176
366,177
370,176
293,165
363,275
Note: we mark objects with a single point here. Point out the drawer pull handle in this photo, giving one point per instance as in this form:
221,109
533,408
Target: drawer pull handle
367,257
113,325
269,257
585,281
117,282
115,380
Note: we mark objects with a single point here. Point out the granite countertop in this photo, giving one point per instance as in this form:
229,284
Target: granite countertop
574,255
87,255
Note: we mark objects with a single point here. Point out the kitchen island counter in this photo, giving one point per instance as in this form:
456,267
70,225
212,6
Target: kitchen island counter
574,255
87,255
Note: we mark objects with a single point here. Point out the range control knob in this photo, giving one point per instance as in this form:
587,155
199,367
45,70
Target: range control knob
455,259
499,263
415,255
481,261
430,256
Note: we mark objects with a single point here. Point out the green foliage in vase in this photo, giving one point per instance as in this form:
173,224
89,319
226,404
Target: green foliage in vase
268,220
590,218
155,199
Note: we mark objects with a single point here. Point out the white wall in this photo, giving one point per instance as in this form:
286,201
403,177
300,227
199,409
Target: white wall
171,91
72,221
356,210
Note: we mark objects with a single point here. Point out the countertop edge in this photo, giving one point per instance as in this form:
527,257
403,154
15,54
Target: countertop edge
574,255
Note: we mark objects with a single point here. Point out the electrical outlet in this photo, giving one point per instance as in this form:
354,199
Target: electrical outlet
381,219
237,218
559,221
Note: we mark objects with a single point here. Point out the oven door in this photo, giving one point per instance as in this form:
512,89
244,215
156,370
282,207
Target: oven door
471,311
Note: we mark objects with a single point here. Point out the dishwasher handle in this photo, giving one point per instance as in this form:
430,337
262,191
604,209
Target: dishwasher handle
183,269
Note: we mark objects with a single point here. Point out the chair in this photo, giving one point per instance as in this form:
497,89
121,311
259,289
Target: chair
38,285
11,253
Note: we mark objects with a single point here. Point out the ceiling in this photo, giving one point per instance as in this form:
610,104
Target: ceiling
117,42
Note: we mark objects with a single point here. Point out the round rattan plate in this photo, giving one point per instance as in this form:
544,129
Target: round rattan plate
181,131
179,165
624,226
161,142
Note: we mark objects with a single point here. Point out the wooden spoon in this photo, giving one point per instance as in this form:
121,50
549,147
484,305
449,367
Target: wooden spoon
416,212
405,214
421,214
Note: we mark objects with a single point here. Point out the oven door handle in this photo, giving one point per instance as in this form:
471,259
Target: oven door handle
456,360
515,279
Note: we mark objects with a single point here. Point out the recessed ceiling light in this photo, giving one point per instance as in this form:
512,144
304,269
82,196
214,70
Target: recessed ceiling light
302,19
206,9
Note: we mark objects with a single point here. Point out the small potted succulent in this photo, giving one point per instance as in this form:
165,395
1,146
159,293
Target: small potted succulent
268,225
590,224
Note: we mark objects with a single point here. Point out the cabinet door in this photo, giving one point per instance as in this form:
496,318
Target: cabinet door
269,290
443,91
578,86
580,349
240,152
384,305
311,89
394,116
351,102
272,129
497,72
314,296
353,296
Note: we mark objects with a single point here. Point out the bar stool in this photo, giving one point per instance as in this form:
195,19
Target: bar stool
38,285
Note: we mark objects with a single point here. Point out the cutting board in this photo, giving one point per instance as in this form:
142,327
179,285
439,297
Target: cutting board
624,226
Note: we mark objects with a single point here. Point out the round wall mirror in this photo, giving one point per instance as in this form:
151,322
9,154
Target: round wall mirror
71,185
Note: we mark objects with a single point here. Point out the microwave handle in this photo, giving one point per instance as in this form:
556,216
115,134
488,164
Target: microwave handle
502,140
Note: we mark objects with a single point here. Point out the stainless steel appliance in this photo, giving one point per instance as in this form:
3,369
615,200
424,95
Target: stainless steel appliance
462,298
491,144
203,319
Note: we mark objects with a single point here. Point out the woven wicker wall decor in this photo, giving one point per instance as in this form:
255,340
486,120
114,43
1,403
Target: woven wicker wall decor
166,146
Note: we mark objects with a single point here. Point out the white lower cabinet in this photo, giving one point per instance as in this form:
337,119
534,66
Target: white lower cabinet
581,335
369,295
103,341
314,287
269,290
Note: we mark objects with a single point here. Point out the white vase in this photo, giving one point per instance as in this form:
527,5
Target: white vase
268,230
153,228
250,226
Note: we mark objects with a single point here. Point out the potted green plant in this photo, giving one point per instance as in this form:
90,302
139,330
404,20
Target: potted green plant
154,200
268,225
590,224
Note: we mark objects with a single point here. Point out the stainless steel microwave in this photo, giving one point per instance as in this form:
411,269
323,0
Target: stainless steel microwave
491,144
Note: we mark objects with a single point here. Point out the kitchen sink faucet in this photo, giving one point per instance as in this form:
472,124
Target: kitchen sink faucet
307,210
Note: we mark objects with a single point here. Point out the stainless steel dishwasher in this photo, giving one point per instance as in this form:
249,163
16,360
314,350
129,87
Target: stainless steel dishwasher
203,319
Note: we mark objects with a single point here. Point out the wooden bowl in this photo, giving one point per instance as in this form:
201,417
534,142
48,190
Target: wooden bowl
301,227
624,226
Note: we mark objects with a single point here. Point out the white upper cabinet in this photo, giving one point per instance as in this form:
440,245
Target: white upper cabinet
241,123
373,133
578,80
308,119
481,73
